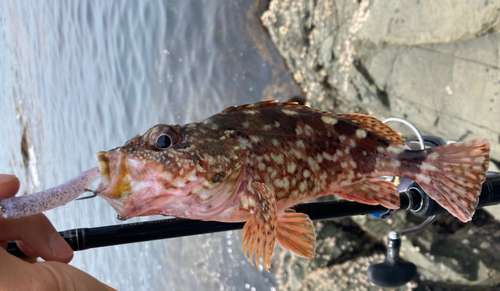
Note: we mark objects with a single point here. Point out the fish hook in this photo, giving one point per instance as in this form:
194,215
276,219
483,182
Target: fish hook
87,197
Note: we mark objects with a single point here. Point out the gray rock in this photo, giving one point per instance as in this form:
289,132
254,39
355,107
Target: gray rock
434,63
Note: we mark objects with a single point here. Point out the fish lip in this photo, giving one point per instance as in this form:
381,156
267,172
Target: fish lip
113,173
104,169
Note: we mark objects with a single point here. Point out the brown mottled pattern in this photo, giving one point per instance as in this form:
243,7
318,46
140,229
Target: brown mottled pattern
295,152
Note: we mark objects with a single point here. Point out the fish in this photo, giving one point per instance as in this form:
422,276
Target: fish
252,163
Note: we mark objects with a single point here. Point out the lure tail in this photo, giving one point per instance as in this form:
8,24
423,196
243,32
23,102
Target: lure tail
453,175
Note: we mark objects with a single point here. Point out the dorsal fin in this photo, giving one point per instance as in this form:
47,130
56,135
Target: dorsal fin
249,106
269,103
376,126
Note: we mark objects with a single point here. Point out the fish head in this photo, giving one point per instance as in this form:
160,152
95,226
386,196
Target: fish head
169,170
139,177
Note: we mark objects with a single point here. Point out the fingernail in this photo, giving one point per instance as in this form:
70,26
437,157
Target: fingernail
60,247
6,178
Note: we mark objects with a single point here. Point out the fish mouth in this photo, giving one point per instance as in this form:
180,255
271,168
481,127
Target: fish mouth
122,186
115,182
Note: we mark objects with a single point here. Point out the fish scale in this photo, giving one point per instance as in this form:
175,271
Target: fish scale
253,162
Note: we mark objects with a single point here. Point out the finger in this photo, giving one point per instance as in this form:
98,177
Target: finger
67,277
23,247
36,233
31,255
18,275
9,185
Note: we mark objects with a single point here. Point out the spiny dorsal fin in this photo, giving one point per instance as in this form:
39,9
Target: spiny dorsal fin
376,126
270,103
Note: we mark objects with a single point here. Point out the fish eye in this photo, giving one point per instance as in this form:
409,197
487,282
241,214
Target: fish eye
163,141
162,137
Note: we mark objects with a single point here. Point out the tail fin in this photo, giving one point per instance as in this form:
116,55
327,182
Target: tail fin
453,175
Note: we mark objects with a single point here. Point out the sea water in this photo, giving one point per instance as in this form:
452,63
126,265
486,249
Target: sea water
77,77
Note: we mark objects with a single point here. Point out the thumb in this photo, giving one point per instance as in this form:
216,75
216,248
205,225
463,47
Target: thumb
60,276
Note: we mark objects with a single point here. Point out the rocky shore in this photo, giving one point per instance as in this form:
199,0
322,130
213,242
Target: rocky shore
433,63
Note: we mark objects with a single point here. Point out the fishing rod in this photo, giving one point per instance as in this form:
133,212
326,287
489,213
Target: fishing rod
414,199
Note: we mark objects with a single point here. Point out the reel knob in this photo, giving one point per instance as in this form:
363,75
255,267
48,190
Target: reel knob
392,272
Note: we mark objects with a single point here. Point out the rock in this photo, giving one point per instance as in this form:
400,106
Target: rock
434,63
344,253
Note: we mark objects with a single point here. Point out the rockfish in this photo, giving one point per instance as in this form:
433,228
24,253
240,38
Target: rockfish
251,163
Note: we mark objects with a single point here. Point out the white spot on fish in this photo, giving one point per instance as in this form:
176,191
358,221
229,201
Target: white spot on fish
329,120
313,164
244,201
245,142
433,156
245,124
395,150
278,158
309,130
298,130
300,143
395,163
289,112
319,158
343,165
296,153
249,186
266,127
423,178
291,167
328,156
342,138
303,186
255,138
276,124
275,142
250,111
428,167
167,176
282,183
353,143
251,201
306,174
178,182
361,133
262,166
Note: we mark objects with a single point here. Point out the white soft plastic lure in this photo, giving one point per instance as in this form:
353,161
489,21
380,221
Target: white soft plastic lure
51,198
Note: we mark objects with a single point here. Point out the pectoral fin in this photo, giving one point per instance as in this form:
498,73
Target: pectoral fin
296,234
371,191
259,232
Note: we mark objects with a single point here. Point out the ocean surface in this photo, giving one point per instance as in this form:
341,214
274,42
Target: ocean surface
77,77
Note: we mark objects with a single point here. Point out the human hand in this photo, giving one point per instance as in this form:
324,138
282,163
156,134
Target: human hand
36,237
